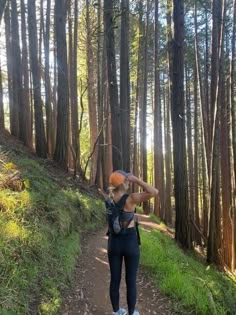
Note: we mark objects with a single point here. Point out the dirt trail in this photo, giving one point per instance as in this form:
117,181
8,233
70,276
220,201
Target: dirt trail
89,293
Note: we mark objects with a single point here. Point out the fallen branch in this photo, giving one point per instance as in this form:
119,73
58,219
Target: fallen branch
94,146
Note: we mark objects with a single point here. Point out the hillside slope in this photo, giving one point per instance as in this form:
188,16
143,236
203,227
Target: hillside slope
42,213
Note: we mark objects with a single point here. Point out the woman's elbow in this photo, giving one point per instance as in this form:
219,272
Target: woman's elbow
155,192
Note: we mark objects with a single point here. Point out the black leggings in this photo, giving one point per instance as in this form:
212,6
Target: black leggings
119,247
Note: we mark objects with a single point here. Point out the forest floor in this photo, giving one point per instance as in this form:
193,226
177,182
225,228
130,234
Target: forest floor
89,293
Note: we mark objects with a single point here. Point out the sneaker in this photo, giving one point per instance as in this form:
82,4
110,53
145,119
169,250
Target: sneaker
121,311
136,313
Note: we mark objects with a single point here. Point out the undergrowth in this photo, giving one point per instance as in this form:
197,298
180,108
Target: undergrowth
195,287
40,225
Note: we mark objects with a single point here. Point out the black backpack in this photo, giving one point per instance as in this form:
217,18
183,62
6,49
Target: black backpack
114,209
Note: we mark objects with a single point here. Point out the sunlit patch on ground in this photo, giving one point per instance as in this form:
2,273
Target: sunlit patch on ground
13,230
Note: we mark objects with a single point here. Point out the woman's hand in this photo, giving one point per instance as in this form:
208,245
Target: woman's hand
133,179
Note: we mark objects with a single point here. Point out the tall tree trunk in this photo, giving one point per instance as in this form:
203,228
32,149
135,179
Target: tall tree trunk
226,184
168,156
190,144
100,161
40,140
9,68
48,100
61,150
159,207
196,154
125,84
91,94
107,161
204,110
15,53
233,114
143,135
213,248
138,97
25,69
205,106
182,224
17,73
74,104
205,187
2,122
117,154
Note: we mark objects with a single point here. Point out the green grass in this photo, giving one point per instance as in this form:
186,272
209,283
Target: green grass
40,227
195,287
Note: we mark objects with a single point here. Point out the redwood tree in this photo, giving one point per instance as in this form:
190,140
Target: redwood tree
62,138
125,84
182,233
40,140
117,154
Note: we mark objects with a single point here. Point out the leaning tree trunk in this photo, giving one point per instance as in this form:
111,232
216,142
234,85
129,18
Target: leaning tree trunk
182,225
40,140
117,154
62,139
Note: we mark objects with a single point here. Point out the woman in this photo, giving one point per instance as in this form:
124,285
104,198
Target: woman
125,245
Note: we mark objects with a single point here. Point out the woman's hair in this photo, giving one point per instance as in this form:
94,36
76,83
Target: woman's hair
113,189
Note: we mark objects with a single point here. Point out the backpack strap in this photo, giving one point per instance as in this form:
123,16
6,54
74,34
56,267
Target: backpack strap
121,203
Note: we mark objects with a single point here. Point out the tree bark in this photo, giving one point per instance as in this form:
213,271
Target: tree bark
196,154
2,121
9,69
159,206
117,154
168,157
182,225
40,140
204,110
143,135
48,100
62,138
189,142
233,114
91,94
125,84
214,246
25,70
138,97
100,161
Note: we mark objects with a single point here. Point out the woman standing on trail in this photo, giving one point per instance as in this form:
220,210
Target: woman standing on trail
123,243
